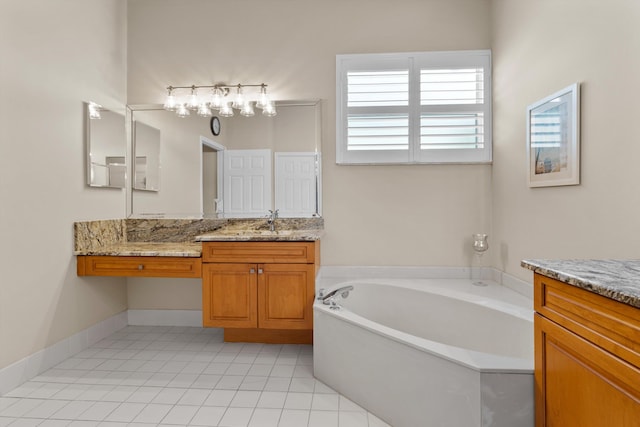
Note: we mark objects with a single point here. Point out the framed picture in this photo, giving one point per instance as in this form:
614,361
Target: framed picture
553,139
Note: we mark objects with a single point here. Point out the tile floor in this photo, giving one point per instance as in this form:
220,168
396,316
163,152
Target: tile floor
170,376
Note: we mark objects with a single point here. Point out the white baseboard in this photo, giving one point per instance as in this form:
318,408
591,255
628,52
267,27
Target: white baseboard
33,365
165,317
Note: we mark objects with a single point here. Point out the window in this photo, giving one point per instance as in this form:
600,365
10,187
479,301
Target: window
430,107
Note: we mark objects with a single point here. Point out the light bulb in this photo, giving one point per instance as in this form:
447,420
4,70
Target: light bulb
247,109
263,99
238,102
182,111
226,110
193,102
170,104
269,109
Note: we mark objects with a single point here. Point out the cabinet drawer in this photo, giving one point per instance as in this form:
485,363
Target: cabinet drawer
609,324
139,266
259,252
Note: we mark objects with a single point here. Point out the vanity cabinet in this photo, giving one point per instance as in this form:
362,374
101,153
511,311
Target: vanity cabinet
139,266
260,291
587,358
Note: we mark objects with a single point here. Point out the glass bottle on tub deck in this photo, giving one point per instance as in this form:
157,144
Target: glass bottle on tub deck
480,246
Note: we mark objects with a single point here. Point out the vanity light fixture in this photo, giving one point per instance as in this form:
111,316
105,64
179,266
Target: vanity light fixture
193,101
170,104
218,99
238,102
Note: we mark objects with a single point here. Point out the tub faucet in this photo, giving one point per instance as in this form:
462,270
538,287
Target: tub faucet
271,219
328,298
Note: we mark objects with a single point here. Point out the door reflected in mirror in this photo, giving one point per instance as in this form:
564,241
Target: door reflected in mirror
192,159
106,147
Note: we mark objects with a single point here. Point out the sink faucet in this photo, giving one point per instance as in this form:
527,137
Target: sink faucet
271,220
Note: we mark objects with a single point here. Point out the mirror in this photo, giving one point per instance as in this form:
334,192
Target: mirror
146,168
106,147
192,158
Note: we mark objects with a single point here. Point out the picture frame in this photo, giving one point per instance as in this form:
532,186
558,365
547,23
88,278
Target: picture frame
553,139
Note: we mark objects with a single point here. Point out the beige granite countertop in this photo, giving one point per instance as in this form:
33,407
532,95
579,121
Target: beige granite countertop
618,280
183,237
232,235
174,249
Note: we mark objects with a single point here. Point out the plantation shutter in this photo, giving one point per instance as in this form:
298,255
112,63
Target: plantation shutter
435,108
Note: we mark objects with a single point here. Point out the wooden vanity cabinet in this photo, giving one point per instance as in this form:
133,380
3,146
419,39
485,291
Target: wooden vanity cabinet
587,358
260,291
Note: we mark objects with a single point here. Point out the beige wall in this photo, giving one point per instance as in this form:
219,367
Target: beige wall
538,48
68,51
411,215
55,55
381,215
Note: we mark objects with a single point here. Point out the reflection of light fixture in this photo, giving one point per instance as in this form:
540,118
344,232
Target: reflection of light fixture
247,109
94,111
204,110
269,109
226,110
217,99
182,111
263,99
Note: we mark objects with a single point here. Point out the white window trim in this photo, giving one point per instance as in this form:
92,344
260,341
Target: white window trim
414,61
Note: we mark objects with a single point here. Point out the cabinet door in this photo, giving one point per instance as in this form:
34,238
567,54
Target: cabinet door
580,384
229,295
285,296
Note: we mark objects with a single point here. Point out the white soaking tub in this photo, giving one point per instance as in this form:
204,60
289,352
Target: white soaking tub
426,352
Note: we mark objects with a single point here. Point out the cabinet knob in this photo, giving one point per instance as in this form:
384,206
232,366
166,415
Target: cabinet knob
140,266
252,271
260,271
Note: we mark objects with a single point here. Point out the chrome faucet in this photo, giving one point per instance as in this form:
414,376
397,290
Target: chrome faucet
329,298
271,219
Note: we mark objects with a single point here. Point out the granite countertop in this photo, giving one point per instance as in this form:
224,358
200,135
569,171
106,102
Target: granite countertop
618,280
240,235
183,237
175,249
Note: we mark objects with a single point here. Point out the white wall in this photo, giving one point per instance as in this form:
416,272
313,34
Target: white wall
55,56
538,48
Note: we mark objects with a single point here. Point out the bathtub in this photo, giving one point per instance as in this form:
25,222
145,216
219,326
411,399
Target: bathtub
429,353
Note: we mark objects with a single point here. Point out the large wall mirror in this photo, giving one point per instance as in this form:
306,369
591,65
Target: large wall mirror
106,147
204,175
